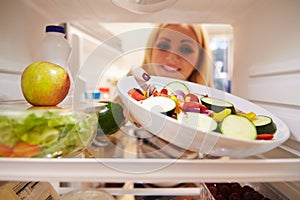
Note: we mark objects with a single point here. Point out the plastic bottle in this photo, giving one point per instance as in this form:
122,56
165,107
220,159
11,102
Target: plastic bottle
56,49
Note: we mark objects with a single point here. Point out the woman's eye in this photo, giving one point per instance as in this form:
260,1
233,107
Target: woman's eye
185,49
163,46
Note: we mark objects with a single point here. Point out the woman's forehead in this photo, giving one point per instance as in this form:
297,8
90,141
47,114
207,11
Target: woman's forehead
178,31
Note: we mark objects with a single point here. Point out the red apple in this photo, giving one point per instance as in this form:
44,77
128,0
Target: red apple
45,84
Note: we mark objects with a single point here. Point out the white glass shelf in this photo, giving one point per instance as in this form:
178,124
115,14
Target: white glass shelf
149,170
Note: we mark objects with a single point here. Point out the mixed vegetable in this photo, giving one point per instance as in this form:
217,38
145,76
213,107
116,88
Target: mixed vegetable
110,118
205,113
45,133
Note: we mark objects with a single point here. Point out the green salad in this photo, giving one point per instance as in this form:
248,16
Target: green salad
45,133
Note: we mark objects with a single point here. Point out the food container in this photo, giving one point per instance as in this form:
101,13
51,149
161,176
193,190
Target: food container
16,190
45,132
235,190
87,195
188,136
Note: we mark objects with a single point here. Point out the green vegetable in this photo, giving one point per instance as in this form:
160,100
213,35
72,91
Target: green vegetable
160,104
217,105
238,127
264,124
174,86
110,118
56,132
199,121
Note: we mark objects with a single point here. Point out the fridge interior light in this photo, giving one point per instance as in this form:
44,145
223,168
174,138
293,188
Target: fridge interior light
144,6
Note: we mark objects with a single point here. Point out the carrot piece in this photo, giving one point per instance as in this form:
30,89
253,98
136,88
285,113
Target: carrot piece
133,93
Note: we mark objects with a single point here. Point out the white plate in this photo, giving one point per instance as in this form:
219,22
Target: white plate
212,143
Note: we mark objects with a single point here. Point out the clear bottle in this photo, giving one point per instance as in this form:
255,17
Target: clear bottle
56,49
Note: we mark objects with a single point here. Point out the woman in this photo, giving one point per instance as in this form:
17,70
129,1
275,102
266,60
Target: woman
179,51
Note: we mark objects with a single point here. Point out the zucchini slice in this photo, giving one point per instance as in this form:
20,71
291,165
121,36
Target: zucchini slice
238,127
173,86
217,105
160,104
199,121
264,124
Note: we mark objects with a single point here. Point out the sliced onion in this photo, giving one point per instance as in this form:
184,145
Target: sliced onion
179,94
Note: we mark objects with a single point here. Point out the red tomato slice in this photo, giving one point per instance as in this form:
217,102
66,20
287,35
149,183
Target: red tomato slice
24,149
164,91
265,136
5,151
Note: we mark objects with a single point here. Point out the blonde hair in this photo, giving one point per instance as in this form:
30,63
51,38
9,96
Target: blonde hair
203,72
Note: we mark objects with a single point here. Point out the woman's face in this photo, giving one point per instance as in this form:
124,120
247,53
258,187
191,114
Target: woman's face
175,52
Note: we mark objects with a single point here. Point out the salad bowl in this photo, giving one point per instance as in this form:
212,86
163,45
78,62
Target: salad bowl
190,138
44,132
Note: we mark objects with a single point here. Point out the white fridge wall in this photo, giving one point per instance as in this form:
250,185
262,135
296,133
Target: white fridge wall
266,59
22,30
266,38
266,46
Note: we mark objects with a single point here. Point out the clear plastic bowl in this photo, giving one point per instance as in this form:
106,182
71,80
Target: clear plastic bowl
45,132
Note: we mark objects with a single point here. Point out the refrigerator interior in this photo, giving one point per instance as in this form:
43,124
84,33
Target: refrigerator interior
265,70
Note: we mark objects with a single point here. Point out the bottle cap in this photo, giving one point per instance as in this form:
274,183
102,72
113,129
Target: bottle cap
54,28
92,95
104,89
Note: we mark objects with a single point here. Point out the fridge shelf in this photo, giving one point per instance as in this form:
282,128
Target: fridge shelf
149,170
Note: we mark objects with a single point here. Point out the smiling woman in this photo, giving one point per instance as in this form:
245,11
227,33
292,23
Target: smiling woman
180,51
132,44
175,53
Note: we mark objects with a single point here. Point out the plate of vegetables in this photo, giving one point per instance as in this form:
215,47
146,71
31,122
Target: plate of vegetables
202,119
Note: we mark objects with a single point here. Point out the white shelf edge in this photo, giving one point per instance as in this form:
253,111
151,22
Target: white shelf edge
149,170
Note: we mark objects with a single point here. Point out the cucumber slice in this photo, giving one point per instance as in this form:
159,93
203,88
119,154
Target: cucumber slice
264,124
199,121
160,104
238,127
217,105
172,87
